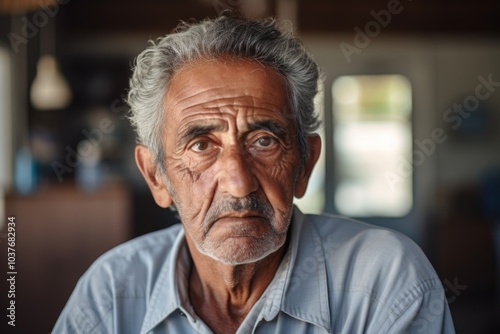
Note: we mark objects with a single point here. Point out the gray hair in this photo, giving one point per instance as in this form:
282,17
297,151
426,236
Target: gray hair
263,41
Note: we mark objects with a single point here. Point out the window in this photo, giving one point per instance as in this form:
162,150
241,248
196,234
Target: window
372,132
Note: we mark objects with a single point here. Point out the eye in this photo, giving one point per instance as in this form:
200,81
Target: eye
265,141
200,146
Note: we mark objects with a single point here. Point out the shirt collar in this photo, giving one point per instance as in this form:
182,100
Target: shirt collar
306,279
301,281
164,298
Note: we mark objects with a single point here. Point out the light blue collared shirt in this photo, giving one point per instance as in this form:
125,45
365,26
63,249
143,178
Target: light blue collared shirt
338,276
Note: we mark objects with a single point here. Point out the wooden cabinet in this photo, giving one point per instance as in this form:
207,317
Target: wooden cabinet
60,231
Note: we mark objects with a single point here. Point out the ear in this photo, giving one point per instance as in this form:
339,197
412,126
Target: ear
314,150
146,163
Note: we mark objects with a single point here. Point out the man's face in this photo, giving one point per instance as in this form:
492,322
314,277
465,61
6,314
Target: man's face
232,159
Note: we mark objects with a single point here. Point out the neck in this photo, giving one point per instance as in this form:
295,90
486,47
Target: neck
220,291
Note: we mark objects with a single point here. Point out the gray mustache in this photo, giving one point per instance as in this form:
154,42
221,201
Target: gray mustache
250,203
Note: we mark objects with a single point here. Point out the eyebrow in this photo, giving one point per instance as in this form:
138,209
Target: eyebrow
198,130
271,126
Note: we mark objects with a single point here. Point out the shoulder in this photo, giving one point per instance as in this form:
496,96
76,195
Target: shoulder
139,259
375,270
373,248
144,249
126,272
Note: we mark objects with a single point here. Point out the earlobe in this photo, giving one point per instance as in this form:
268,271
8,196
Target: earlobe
146,163
314,150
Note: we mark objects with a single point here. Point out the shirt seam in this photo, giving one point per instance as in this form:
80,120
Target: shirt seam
92,330
420,290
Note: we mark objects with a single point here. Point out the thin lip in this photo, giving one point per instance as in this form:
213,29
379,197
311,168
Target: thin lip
245,214
235,215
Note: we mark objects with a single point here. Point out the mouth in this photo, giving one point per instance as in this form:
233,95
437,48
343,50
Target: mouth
240,225
251,211
240,215
240,218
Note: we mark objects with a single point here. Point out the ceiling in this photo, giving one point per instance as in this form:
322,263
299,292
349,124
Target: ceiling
409,16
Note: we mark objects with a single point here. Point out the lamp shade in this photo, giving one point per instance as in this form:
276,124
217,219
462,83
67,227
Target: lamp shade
49,89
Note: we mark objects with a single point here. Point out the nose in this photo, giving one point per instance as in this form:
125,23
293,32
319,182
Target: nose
236,175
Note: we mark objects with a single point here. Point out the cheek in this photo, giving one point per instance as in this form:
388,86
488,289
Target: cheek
186,174
284,172
193,189
278,185
181,169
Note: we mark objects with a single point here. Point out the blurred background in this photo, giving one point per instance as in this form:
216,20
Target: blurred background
411,128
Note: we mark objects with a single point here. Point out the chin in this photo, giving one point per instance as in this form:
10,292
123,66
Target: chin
237,252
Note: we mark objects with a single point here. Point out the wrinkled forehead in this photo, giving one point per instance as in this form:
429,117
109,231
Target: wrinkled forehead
228,86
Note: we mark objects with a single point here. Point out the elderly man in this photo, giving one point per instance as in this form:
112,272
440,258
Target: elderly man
224,114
